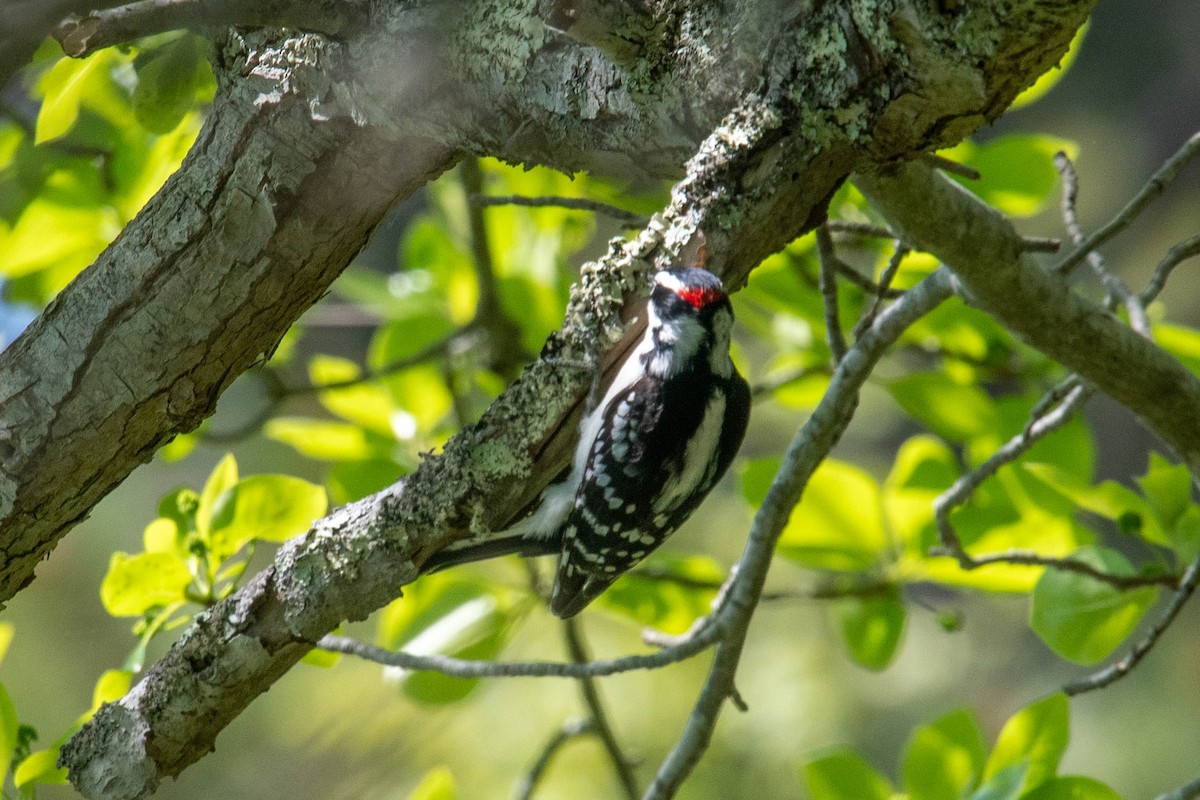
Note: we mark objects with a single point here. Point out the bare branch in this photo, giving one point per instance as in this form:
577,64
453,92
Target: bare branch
951,166
628,218
1187,792
829,295
1189,248
461,668
1154,187
591,698
884,289
81,36
1118,292
1121,668
569,731
984,251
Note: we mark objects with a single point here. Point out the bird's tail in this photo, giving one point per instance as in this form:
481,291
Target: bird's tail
492,548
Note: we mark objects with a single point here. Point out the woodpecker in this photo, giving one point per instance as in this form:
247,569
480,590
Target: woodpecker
648,454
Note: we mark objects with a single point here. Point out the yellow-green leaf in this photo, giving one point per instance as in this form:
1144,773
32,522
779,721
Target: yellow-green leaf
40,767
136,584
839,522
223,476
270,508
438,784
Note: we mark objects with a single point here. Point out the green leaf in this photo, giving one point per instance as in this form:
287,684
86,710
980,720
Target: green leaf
136,584
326,440
1004,785
365,403
1034,739
1072,788
62,87
954,411
845,776
1081,618
9,725
7,630
40,767
839,522
1018,170
1168,490
223,476
1052,76
161,536
438,784
1109,499
111,686
270,508
667,605
945,758
168,77
924,468
1181,342
872,628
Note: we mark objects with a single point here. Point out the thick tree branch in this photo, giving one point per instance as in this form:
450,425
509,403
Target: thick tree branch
267,210
984,251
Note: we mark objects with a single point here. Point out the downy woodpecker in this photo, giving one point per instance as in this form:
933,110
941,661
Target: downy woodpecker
648,454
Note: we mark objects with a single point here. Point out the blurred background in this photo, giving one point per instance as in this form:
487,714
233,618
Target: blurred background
1129,101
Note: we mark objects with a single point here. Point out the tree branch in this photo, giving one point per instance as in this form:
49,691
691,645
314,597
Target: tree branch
984,251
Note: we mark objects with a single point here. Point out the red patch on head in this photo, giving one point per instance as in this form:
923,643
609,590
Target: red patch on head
700,297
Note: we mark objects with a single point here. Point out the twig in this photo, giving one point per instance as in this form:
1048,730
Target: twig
1051,413
1186,792
107,27
899,253
701,640
591,698
1189,248
572,729
1121,668
829,294
951,166
506,354
860,228
1158,182
1118,292
1041,244
769,385
627,218
808,450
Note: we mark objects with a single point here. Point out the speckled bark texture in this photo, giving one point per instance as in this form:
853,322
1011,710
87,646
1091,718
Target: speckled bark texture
759,109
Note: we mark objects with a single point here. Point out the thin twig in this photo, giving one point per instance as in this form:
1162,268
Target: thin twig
1188,791
1121,668
899,253
768,385
1041,244
570,730
1189,248
860,228
829,294
701,640
505,351
591,698
1051,414
1158,183
951,166
627,218
1118,292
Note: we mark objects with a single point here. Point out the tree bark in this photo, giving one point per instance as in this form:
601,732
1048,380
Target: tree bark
309,143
